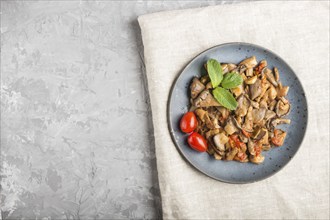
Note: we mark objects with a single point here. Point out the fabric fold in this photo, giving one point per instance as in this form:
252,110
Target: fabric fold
299,33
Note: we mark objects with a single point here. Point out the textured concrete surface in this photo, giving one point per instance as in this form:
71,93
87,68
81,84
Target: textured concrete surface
76,131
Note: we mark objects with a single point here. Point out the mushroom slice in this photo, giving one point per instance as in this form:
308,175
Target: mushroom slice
205,99
239,121
231,67
215,123
279,137
258,114
282,108
208,85
272,105
228,146
254,104
269,126
264,139
220,147
224,112
221,137
247,91
284,100
242,69
201,128
211,112
264,86
211,123
278,121
249,72
220,140
258,133
236,123
255,89
217,156
230,128
243,138
243,76
214,148
248,123
282,91
250,147
251,80
231,154
210,149
196,87
257,159
224,67
269,75
277,75
242,106
249,62
266,147
260,67
212,132
201,114
205,79
269,115
237,90
263,102
272,93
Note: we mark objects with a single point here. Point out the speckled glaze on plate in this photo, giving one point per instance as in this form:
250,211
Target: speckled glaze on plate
232,171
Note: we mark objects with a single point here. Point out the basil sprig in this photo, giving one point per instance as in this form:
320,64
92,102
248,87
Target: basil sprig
229,81
215,72
225,98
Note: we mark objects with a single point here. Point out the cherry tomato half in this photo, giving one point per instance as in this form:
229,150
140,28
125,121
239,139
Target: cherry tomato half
197,142
188,122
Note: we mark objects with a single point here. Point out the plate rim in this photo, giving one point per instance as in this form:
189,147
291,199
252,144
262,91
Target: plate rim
172,131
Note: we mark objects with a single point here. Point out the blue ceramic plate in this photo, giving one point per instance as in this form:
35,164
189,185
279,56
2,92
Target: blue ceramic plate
232,171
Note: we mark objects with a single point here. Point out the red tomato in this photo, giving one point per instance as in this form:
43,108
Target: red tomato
188,122
257,148
278,139
236,140
247,134
241,156
197,142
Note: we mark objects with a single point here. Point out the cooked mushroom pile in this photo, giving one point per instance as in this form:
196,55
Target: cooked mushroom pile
242,134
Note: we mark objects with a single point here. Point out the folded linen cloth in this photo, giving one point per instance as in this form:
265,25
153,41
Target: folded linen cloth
299,33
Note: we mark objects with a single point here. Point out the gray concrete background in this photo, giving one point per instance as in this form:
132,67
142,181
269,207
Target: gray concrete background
76,129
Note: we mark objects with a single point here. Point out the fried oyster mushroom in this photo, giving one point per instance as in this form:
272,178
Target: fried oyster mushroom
244,133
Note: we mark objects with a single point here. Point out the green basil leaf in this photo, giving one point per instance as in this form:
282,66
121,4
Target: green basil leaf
225,98
231,80
214,70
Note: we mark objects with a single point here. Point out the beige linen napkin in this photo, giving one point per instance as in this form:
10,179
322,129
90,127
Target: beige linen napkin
299,33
